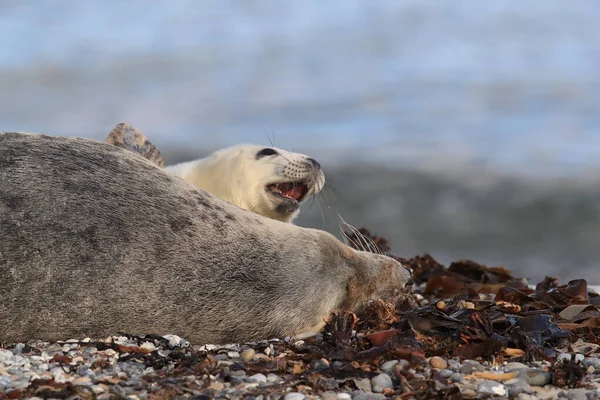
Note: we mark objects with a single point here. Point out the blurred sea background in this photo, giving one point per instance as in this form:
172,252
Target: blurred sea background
467,130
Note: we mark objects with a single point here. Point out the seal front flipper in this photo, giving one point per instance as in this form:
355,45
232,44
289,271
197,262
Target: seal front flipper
126,136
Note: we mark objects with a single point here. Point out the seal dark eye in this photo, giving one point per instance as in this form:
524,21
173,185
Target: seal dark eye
265,152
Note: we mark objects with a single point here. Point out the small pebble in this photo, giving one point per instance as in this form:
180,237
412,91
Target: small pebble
363,384
438,362
446,373
491,387
469,368
456,377
592,362
455,365
517,386
514,366
381,382
233,354
535,377
294,396
247,355
368,396
577,394
257,378
388,366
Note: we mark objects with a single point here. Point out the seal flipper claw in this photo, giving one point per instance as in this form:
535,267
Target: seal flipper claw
126,136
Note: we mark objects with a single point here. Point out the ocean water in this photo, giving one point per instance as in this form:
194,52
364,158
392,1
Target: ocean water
461,97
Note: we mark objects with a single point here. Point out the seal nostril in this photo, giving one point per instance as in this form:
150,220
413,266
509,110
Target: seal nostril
315,163
410,282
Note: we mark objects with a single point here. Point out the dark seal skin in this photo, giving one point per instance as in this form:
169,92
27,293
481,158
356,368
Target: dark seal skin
95,240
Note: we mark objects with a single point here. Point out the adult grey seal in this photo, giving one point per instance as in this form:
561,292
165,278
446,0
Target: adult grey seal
266,180
96,240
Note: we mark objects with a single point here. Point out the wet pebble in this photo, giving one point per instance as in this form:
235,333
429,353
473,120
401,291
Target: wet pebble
456,377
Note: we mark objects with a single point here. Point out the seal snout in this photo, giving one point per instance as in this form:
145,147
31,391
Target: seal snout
315,163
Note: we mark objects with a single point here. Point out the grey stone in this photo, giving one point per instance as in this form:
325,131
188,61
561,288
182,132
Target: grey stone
514,366
457,377
344,396
388,366
525,396
272,378
294,396
368,396
363,384
319,365
446,373
381,382
577,394
328,395
592,362
470,367
579,357
237,374
454,364
517,386
492,387
535,377
257,378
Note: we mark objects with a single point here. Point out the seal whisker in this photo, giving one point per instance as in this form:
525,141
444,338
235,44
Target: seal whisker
357,234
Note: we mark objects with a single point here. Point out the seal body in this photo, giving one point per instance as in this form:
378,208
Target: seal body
95,240
265,180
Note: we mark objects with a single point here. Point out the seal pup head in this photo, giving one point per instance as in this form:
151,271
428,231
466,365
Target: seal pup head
268,181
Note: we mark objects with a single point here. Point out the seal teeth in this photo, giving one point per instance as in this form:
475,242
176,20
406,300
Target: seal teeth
290,190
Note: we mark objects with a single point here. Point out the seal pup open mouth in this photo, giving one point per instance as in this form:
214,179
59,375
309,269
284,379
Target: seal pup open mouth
288,190
265,180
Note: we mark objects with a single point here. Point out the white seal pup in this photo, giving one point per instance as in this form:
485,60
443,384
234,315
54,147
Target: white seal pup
96,240
266,180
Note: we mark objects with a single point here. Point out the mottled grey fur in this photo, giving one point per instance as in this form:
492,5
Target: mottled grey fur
96,240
